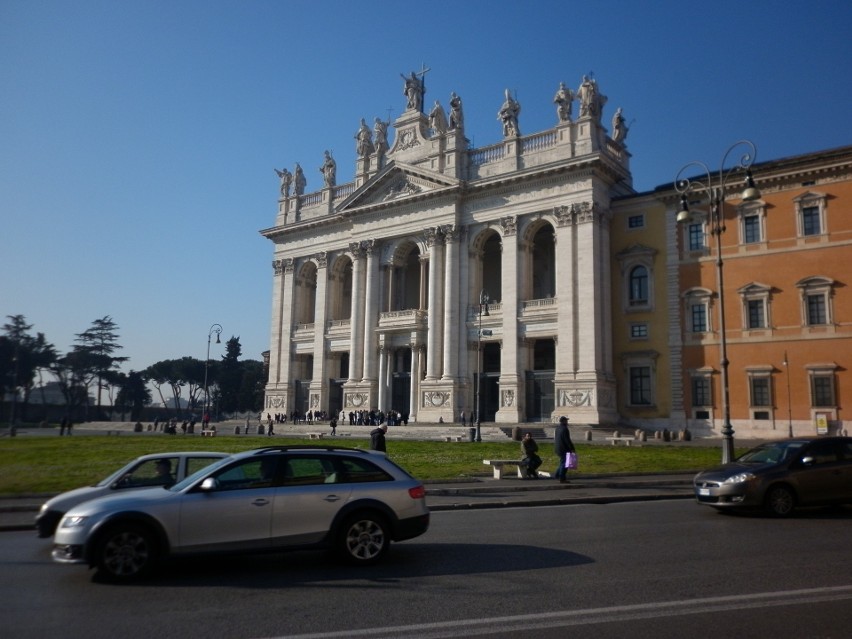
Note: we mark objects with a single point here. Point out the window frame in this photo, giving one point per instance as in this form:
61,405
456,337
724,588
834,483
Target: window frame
811,289
807,202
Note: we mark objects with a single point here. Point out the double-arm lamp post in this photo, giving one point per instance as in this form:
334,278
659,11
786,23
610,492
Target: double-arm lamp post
483,310
715,193
216,328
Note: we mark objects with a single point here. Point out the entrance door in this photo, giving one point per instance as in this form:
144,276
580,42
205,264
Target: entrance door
335,396
400,394
540,395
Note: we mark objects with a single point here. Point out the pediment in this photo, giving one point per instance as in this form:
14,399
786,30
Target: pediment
398,182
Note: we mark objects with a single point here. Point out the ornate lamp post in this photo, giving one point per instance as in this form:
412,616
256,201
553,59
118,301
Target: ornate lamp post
704,185
483,310
216,328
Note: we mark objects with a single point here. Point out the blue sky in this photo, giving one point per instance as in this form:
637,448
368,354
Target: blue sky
138,139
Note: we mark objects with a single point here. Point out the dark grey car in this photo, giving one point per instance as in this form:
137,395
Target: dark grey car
779,476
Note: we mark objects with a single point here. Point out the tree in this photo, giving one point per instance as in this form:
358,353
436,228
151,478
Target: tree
22,356
251,386
229,376
98,343
133,394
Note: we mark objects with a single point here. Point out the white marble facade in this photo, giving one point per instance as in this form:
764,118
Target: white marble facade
377,282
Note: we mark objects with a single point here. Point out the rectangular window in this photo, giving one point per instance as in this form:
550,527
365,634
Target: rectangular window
636,221
760,391
816,310
822,390
810,221
639,331
701,391
698,313
696,237
756,315
640,386
751,229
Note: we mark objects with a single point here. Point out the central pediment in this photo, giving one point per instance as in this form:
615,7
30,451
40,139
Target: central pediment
398,182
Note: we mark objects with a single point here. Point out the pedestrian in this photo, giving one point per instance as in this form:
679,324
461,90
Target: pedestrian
562,445
63,425
463,419
529,448
377,438
333,424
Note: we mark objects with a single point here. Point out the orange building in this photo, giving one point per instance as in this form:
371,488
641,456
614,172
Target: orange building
787,272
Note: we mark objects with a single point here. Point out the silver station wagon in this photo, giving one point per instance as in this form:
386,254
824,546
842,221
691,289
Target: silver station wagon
269,499
161,469
779,476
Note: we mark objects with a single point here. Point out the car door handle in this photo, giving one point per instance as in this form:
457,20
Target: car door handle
260,502
331,498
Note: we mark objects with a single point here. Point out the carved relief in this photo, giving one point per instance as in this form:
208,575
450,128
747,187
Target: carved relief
276,402
322,259
356,400
508,398
402,188
315,400
407,140
575,397
357,250
436,399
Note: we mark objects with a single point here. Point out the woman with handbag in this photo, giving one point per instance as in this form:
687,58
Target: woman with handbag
562,445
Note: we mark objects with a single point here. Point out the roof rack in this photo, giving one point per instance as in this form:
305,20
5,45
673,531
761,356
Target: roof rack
265,449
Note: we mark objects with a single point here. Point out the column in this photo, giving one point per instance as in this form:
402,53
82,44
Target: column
510,369
436,262
383,370
319,379
356,353
566,293
451,303
371,314
282,322
416,367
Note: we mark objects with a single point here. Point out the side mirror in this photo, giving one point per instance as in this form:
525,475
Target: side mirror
209,484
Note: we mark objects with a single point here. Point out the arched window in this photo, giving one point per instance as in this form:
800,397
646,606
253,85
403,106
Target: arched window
638,286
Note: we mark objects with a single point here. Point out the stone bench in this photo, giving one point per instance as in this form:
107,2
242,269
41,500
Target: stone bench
498,464
615,440
209,432
453,438
316,435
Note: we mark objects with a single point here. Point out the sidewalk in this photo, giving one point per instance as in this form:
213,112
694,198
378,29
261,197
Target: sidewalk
18,513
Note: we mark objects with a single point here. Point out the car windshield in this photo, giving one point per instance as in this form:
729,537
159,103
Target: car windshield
770,453
197,474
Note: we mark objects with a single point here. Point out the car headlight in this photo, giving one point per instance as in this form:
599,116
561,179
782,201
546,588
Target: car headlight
73,522
739,478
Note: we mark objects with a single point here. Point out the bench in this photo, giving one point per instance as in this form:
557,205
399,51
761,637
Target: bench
627,440
453,438
209,432
497,466
316,435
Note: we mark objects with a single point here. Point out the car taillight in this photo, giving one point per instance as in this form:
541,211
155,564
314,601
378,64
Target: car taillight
418,492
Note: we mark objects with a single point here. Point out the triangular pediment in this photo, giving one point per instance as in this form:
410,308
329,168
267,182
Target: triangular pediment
398,182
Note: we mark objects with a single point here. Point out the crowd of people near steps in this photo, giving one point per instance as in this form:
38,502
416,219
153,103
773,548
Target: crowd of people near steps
353,418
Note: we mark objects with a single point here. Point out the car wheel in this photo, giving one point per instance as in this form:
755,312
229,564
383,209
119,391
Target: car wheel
363,538
125,552
780,501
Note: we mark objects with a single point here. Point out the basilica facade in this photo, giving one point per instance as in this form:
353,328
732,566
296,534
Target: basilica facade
447,279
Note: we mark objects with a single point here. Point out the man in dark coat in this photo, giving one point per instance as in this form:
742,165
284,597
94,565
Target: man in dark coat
562,445
377,438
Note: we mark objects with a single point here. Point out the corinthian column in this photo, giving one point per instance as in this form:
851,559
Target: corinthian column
356,335
436,271
371,311
451,302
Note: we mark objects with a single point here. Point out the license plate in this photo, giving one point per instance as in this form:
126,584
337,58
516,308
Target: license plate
704,492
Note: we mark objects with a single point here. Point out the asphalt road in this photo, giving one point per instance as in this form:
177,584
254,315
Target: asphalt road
632,569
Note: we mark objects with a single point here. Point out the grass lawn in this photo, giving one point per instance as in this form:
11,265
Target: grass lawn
56,464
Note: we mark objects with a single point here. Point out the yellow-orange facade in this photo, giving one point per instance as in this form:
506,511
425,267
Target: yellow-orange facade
787,262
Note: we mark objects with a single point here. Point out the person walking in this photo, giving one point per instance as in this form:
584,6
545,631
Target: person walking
562,445
377,438
333,424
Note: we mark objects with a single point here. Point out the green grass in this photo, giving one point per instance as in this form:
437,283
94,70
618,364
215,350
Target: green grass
54,464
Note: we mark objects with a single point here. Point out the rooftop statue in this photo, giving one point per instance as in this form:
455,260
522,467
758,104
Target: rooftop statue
414,90
286,181
456,114
508,115
563,99
329,170
619,127
591,100
380,130
438,119
364,137
299,181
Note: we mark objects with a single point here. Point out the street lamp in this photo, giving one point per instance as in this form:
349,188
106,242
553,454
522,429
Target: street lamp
789,400
483,310
716,197
216,328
